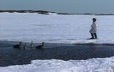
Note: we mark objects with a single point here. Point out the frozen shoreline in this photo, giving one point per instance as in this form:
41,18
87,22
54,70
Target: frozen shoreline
66,39
59,43
55,28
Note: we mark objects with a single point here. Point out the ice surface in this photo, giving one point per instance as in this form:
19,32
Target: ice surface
57,28
91,65
54,28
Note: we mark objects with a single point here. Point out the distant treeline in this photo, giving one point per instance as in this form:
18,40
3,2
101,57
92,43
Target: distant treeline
27,11
47,12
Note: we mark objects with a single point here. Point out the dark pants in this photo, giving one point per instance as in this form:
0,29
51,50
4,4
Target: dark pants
94,35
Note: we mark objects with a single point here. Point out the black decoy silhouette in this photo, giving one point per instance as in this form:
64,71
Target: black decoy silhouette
24,47
40,46
31,45
18,46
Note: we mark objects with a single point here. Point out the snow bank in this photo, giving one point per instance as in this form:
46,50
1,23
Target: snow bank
91,65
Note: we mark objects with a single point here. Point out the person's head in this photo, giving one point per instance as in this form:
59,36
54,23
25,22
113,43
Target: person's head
94,19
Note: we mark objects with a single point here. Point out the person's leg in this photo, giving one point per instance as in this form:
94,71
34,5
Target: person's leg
95,35
92,36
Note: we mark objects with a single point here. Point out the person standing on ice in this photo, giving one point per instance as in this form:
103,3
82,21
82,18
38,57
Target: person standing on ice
93,30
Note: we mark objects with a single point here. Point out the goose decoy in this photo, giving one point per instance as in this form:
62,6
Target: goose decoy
40,46
31,45
18,46
24,47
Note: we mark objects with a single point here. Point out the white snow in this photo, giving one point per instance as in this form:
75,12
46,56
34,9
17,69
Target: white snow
57,28
54,28
91,65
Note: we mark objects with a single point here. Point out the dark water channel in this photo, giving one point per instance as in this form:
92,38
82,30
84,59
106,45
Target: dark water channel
11,56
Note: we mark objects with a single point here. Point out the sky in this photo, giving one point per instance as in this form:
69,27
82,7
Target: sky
66,6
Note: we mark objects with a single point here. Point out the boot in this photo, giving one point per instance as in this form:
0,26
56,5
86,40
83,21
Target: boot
92,36
95,35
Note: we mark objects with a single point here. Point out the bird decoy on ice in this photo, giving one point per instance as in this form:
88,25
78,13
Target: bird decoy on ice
40,46
18,46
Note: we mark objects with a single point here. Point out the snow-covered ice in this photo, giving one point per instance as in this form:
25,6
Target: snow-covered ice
91,65
54,28
57,28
